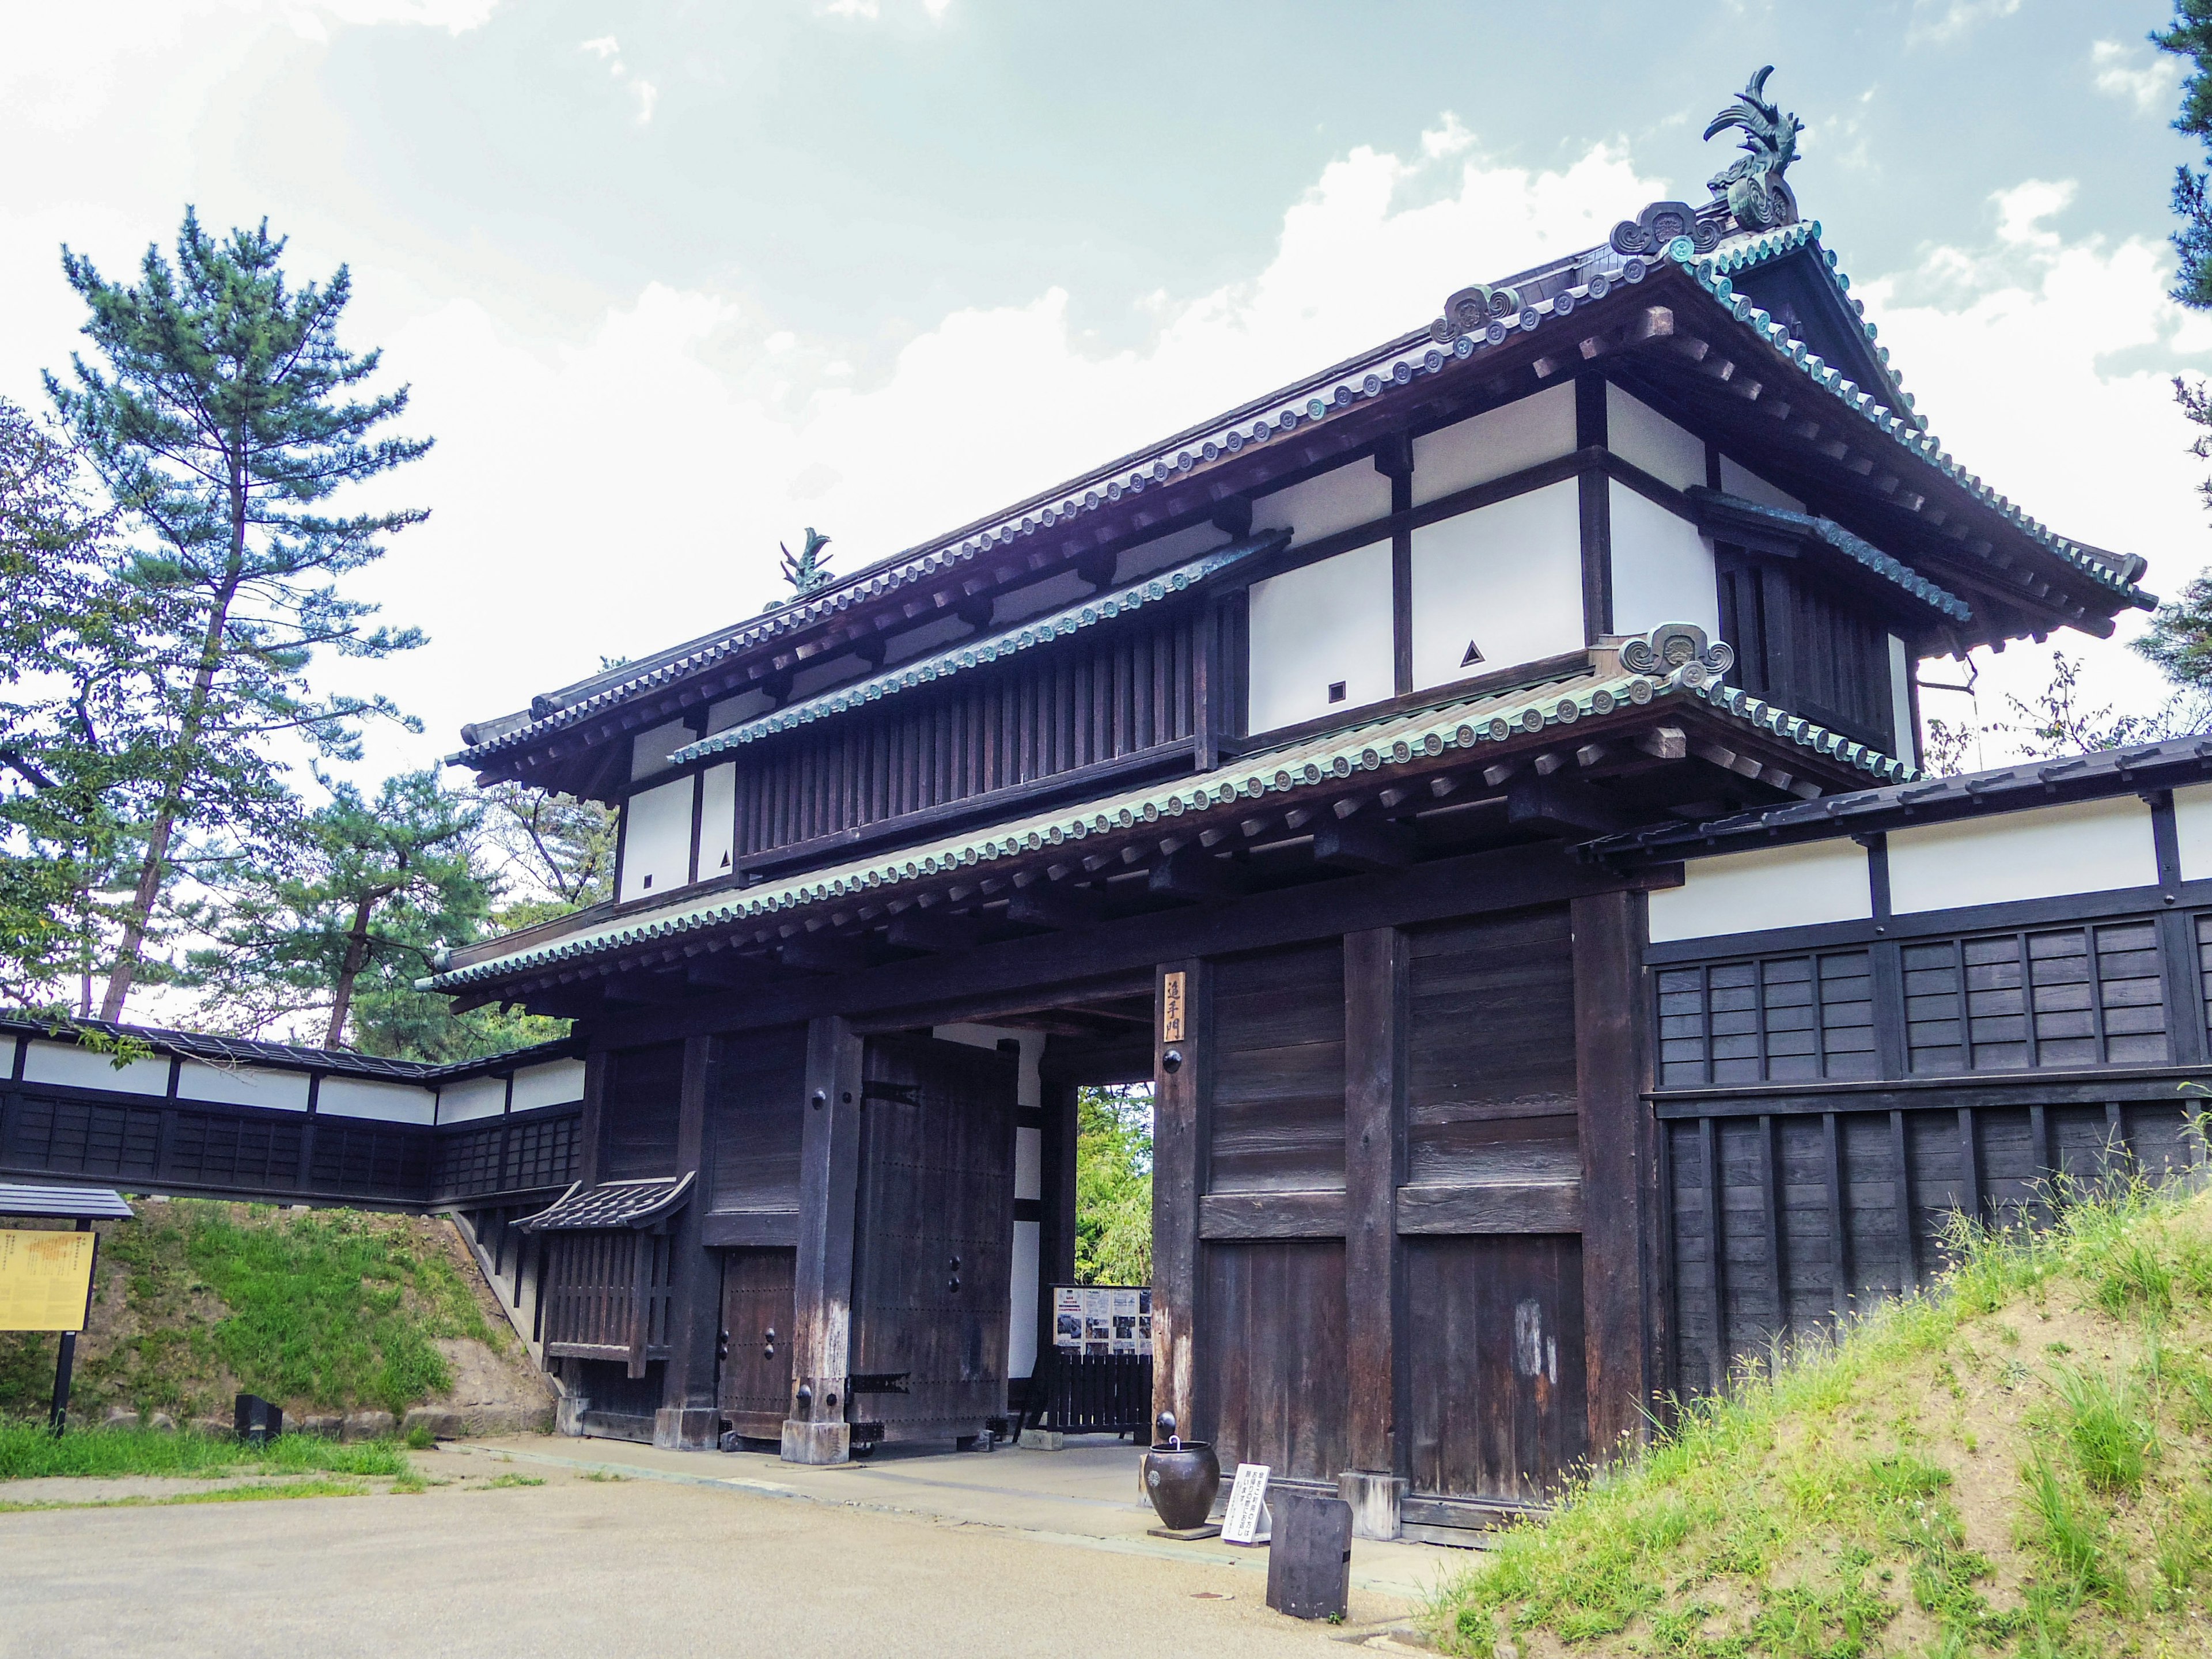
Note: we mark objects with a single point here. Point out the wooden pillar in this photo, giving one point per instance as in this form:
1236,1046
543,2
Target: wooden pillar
1621,1317
1181,1087
1056,1210
591,1130
688,1419
822,1292
1374,1282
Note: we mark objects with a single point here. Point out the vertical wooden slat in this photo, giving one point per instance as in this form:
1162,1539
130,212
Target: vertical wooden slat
690,1296
1716,1339
1839,1273
1770,1221
1969,1166
1616,1134
1181,1094
1908,1263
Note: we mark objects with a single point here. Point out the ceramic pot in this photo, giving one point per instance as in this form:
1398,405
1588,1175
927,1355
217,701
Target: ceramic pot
1182,1482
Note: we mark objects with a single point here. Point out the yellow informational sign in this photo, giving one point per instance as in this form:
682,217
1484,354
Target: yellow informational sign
1171,1008
46,1281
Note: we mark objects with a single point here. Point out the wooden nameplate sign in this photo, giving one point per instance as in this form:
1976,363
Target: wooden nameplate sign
1245,1520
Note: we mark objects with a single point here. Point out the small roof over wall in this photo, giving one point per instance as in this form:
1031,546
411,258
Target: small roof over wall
63,1203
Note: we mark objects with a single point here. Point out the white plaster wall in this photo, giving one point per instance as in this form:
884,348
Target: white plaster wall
82,1068
2193,823
480,1096
1642,436
651,748
1022,1290
735,711
1354,494
1507,576
243,1085
657,839
1902,735
1774,887
387,1102
556,1083
1493,446
1740,480
1163,551
2088,847
1316,625
1663,568
718,820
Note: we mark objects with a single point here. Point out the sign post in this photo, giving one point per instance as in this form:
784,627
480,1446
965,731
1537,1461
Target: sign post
46,1285
1245,1520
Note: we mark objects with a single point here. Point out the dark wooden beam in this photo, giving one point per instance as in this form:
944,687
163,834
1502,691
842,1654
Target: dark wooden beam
1362,843
1195,875
687,1420
1181,1092
828,1181
1564,807
936,930
1622,1318
1055,904
1375,1020
824,953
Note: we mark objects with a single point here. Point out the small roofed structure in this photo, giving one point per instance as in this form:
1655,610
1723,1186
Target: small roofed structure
63,1203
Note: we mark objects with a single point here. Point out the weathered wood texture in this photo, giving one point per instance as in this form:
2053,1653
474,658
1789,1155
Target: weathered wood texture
1495,1352
1375,1034
754,1390
607,1297
1620,1148
695,1292
1105,695
1279,1082
1275,1341
933,1236
821,1288
644,1099
759,1120
1806,646
1181,1133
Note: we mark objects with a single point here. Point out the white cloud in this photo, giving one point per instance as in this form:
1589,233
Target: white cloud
1944,21
2045,363
871,10
2150,84
608,51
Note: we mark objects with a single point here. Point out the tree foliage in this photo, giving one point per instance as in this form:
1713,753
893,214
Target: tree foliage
221,413
1113,1186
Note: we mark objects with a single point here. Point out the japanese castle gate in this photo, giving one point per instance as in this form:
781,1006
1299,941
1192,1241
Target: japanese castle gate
1549,1004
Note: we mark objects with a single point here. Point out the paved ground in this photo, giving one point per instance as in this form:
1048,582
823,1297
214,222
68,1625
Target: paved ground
660,1562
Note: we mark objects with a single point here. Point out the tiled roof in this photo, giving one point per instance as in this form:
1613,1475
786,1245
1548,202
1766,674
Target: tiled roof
978,653
220,1051
1395,740
63,1203
1713,272
1827,531
2016,788
611,1204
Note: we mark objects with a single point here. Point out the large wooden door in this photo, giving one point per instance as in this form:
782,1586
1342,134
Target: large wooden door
755,1390
932,1239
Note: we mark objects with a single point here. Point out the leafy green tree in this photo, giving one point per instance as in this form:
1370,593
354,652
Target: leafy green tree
1113,1186
76,751
555,853
222,412
379,885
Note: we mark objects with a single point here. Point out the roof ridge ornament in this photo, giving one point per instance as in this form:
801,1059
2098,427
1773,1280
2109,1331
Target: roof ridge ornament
808,573
1752,185
1680,653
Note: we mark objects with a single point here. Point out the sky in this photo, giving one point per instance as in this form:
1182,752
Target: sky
670,281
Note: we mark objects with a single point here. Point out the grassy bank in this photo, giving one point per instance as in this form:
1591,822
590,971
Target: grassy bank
2016,1462
326,1310
28,1451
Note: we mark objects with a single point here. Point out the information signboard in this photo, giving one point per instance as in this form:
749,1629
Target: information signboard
1102,1319
46,1281
1245,1520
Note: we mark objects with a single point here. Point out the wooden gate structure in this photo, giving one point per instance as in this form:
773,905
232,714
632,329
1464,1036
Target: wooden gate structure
1476,784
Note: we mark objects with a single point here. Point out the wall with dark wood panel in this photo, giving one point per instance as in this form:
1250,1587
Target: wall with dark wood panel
644,1099
757,1117
1278,1104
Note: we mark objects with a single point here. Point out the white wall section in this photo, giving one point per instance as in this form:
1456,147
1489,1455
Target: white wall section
1322,624
718,820
242,1085
1774,887
480,1096
1900,703
1663,568
556,1083
1740,480
2192,825
657,840
1642,436
80,1067
1507,578
2091,846
387,1103
651,748
1022,1296
1354,494
1494,446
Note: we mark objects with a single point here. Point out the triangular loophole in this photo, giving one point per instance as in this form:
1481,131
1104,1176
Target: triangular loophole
1473,655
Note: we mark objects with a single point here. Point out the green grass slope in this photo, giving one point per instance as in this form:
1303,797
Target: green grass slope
2017,1462
323,1310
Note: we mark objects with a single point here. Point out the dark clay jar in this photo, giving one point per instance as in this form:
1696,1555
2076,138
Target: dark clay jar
1182,1482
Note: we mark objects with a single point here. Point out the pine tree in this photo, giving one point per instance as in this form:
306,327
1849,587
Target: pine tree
220,413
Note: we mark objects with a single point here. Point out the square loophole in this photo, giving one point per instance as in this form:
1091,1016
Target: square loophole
1336,690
